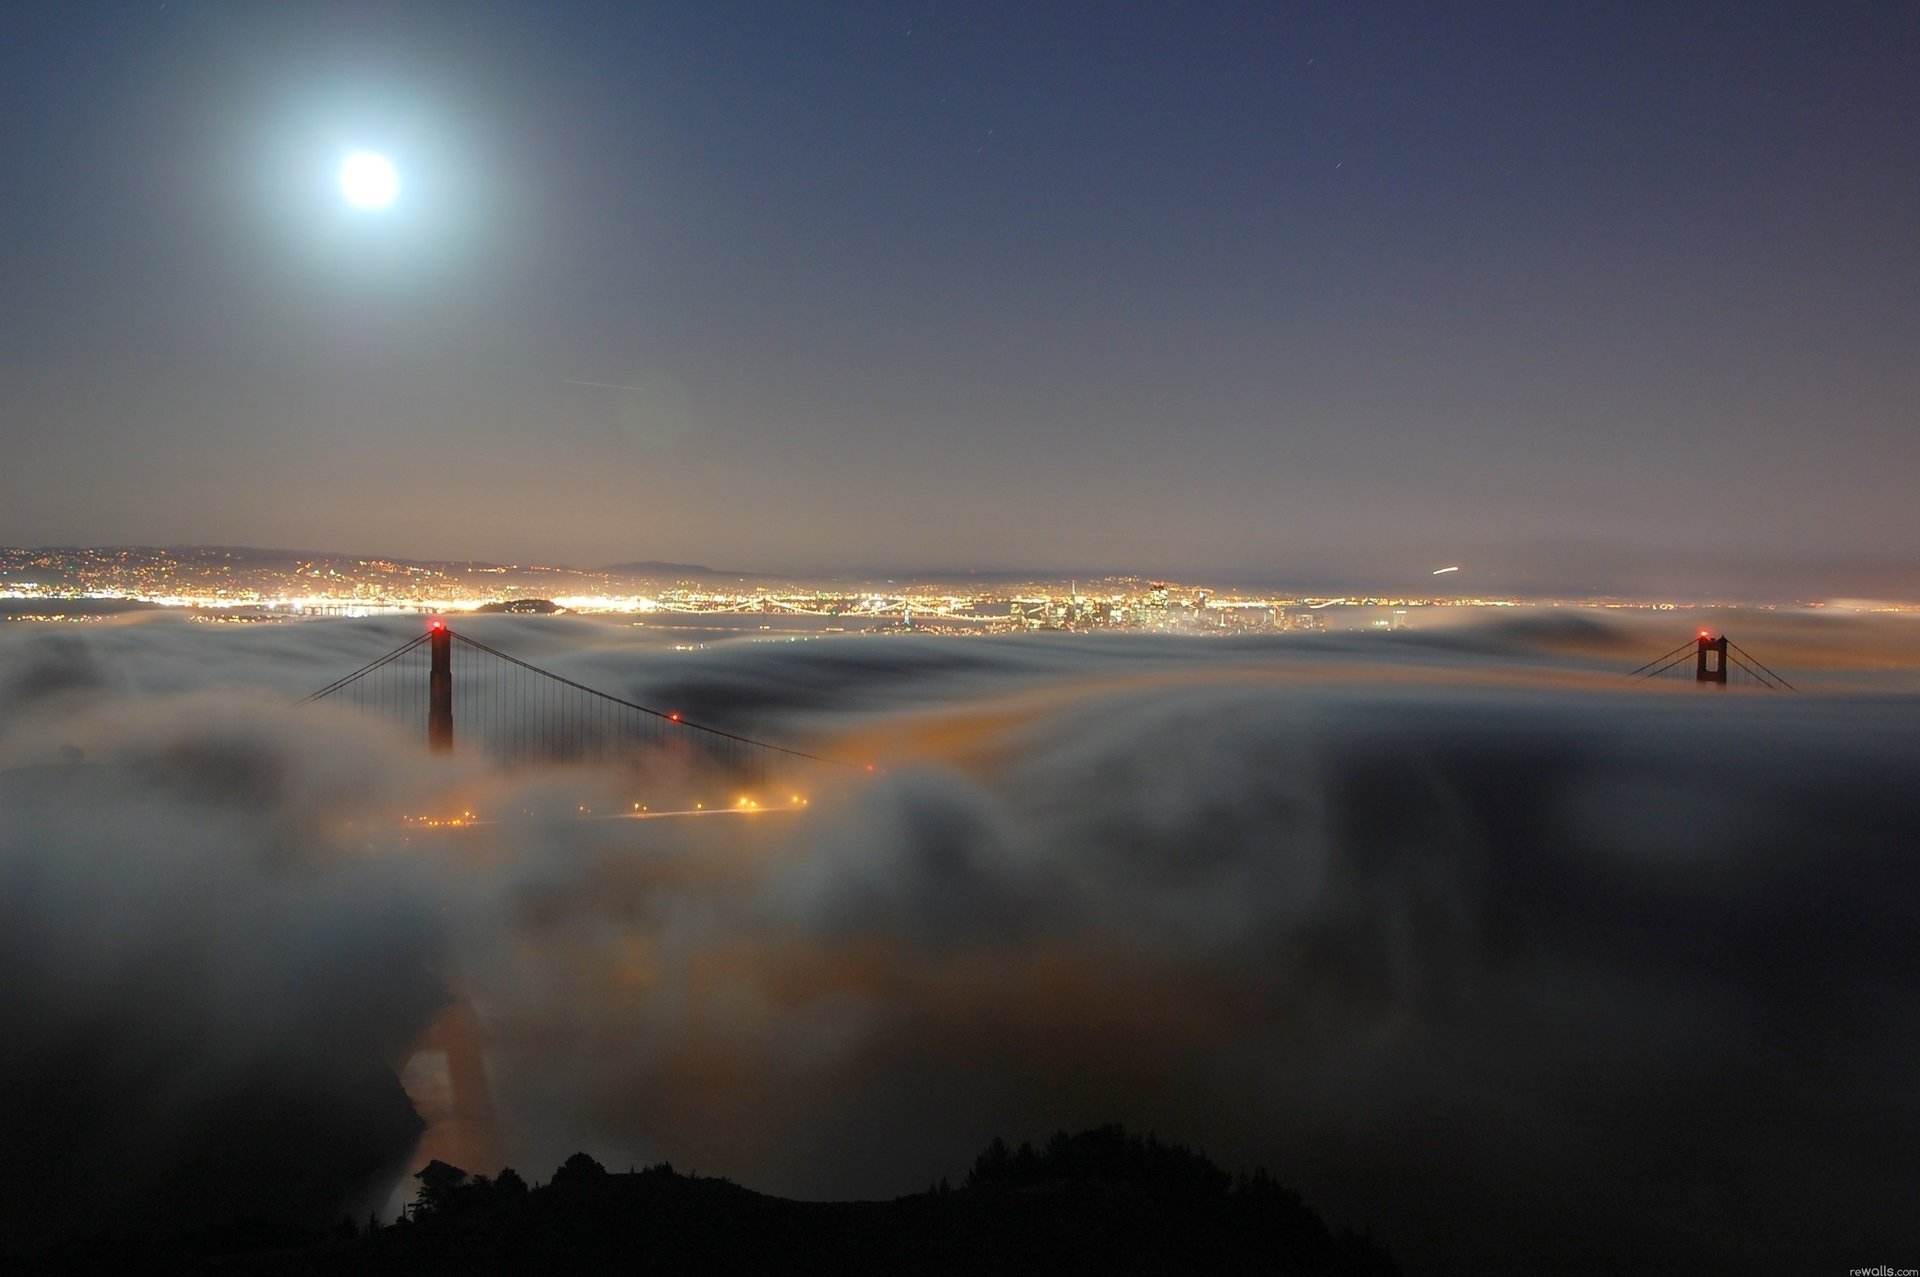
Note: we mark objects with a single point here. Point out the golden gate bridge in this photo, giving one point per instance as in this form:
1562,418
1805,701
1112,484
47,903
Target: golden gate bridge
518,713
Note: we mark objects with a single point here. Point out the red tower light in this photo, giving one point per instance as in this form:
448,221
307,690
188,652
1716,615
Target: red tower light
437,624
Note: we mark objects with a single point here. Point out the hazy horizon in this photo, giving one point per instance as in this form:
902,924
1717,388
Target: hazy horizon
1603,299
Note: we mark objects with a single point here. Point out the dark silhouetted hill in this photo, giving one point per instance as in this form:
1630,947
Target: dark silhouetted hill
521,607
1101,1201
653,567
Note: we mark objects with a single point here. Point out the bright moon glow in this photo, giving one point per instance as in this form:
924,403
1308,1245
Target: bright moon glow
368,180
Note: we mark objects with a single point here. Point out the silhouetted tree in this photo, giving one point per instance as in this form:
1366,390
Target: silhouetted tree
1262,1221
577,1171
1358,1255
1026,1163
993,1166
1107,1155
439,1186
1279,1211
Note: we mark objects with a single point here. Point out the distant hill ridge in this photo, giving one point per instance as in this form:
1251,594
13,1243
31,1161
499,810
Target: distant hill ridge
264,555
1100,1201
267,556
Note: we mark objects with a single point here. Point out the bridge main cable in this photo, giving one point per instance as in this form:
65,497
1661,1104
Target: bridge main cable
1687,648
366,669
1752,665
662,715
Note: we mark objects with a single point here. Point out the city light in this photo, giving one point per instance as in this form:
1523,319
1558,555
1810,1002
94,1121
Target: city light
251,586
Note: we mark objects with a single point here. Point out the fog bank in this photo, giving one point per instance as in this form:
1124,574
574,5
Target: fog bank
1452,930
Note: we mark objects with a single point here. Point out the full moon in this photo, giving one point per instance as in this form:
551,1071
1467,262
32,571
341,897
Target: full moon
368,180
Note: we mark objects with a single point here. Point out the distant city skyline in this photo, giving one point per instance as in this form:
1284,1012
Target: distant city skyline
1585,300
1888,582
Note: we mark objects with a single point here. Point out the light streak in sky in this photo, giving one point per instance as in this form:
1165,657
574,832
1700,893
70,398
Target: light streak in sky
1454,568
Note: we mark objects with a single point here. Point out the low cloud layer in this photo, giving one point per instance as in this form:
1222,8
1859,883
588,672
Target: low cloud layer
1450,929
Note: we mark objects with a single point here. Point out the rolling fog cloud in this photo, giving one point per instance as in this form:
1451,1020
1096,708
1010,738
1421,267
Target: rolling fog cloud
1448,929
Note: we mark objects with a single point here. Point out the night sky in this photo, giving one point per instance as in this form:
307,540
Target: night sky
1622,298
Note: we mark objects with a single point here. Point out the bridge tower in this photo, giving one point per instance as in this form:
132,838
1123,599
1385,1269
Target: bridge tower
1709,667
440,690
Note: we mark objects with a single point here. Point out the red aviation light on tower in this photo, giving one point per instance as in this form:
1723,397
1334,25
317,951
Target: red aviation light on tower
1706,633
436,624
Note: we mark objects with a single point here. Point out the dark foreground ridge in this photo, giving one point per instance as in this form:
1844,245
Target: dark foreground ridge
1101,1201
